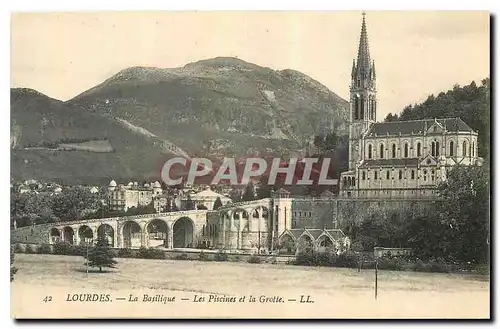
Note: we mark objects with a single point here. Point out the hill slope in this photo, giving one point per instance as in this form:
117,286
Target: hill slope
44,131
239,106
141,116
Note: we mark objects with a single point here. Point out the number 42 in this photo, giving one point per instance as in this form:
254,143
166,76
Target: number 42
47,299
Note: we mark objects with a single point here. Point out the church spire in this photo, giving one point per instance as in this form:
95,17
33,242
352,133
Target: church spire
363,89
364,62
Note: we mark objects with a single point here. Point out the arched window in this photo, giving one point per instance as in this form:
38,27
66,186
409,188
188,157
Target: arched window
363,175
381,151
433,149
370,151
345,181
388,174
406,150
353,181
437,149
425,175
413,174
356,107
464,149
393,151
349,181
472,149
400,174
419,149
375,175
451,148
362,108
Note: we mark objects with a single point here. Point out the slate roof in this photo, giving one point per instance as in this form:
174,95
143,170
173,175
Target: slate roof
336,234
410,162
296,232
416,127
315,232
327,194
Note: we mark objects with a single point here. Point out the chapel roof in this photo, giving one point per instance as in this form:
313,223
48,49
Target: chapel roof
389,162
416,127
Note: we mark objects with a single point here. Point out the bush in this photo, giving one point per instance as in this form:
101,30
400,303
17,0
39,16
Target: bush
43,249
151,253
13,269
28,249
483,269
18,248
203,257
125,253
221,256
392,264
307,259
62,248
182,256
273,261
77,250
348,259
254,259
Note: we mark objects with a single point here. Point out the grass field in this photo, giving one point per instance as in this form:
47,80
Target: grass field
337,292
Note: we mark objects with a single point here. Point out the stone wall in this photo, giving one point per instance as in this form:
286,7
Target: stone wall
329,212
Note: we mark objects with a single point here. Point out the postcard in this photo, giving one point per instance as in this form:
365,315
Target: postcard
250,164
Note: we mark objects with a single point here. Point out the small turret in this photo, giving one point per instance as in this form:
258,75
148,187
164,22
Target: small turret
112,186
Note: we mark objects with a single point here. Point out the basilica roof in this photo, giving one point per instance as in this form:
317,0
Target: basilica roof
416,127
389,162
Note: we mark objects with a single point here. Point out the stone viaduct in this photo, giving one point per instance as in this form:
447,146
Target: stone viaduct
171,230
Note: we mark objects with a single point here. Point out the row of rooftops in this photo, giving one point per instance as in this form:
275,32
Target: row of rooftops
418,127
335,234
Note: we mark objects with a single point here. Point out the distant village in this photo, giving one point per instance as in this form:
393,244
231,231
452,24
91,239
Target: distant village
149,196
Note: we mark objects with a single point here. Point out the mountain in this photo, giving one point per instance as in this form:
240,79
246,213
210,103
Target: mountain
128,124
53,141
239,106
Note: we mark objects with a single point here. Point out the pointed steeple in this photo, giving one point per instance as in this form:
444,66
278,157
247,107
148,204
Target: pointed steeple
353,71
364,61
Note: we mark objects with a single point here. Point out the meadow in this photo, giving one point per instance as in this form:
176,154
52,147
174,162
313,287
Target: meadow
335,292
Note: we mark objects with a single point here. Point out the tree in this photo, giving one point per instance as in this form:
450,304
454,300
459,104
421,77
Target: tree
73,202
29,208
13,269
100,255
141,210
249,193
189,203
465,213
217,203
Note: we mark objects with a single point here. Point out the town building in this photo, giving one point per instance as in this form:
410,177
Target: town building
124,197
400,159
204,199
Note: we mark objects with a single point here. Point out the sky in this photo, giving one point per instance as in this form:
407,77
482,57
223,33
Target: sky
416,53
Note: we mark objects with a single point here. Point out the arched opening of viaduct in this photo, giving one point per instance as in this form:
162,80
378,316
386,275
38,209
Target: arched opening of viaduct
183,233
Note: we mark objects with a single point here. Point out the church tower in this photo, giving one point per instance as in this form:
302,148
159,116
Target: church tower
363,100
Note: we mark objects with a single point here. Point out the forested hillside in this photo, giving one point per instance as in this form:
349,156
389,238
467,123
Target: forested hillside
471,103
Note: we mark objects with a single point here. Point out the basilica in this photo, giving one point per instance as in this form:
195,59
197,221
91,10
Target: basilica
400,159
